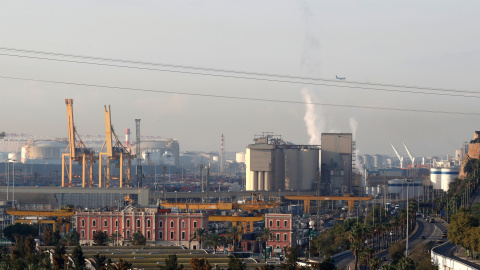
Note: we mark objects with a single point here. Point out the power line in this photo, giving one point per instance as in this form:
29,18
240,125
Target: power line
241,98
250,78
232,71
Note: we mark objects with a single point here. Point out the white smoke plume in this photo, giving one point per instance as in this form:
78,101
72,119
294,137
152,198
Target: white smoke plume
353,129
313,118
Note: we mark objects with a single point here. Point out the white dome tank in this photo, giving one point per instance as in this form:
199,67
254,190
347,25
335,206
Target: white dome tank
448,175
436,177
240,157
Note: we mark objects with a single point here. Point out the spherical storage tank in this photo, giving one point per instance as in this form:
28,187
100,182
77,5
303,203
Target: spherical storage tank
436,177
448,175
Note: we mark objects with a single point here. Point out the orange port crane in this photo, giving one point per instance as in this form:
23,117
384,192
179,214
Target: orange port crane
32,216
76,151
308,198
259,205
115,153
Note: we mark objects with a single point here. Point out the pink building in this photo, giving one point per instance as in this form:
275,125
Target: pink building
158,228
280,226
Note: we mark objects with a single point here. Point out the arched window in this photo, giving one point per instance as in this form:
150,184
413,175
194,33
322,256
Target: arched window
138,222
83,222
83,233
148,234
172,224
160,235
183,224
160,224
128,223
128,234
105,223
194,224
148,223
94,223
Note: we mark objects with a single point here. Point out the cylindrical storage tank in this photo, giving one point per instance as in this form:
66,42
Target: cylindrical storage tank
248,173
309,161
240,157
396,186
448,175
292,157
14,157
278,171
436,177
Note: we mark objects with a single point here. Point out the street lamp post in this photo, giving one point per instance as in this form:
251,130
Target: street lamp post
118,220
408,204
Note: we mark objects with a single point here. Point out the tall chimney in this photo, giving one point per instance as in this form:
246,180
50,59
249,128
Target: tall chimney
127,137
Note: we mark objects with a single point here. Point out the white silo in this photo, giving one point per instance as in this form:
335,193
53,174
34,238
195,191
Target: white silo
436,177
448,175
14,157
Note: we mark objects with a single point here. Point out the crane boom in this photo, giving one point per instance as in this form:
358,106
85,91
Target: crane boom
108,131
71,128
398,155
412,158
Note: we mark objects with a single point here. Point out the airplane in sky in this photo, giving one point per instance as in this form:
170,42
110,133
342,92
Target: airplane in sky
340,78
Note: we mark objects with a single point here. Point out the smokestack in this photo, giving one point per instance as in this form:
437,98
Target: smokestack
127,137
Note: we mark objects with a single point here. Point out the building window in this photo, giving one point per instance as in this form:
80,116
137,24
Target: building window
94,223
278,223
105,223
116,223
128,234
160,235
172,224
171,235
94,232
278,246
194,224
138,222
148,234
105,232
271,223
278,237
183,235
285,237
128,223
83,222
148,223
83,233
285,223
183,224
160,224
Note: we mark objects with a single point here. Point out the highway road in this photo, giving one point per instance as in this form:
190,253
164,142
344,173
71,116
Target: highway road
431,231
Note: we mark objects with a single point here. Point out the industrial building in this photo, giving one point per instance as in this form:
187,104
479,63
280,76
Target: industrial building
273,164
337,163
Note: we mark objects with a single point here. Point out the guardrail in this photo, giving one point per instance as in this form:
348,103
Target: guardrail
447,263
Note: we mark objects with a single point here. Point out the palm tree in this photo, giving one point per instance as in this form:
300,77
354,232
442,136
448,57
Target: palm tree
234,234
356,242
215,240
199,234
265,235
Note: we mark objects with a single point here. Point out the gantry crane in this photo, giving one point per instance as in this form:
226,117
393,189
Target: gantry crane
31,216
115,153
76,151
308,198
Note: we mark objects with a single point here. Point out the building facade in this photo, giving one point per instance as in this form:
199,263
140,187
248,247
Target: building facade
158,228
281,228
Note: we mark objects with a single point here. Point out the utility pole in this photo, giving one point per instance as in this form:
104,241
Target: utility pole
138,153
164,188
208,176
408,204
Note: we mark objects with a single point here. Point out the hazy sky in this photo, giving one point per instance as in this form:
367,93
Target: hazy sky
431,44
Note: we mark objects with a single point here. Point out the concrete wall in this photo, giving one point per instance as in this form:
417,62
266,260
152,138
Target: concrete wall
445,263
